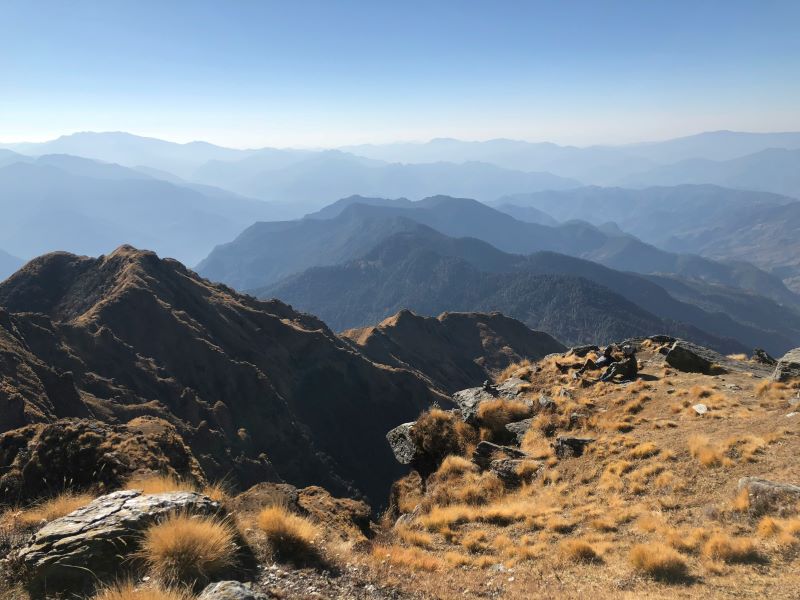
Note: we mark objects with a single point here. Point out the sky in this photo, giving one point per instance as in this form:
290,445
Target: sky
252,73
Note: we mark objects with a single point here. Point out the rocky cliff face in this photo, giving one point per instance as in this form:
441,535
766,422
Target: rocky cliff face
454,350
254,388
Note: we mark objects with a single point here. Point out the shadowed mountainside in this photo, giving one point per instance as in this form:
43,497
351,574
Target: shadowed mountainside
253,387
430,273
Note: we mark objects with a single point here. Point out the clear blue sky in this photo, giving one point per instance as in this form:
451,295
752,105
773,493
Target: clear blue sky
254,73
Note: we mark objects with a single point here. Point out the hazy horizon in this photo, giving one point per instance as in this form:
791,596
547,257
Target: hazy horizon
317,75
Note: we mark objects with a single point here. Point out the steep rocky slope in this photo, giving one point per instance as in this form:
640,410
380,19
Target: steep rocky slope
454,350
253,387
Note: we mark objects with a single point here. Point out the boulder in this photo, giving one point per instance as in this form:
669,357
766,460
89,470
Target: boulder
691,358
90,545
788,367
230,590
519,428
568,447
509,470
762,356
402,444
770,497
700,409
470,399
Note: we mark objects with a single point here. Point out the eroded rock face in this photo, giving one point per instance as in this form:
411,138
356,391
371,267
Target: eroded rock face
788,367
231,590
91,544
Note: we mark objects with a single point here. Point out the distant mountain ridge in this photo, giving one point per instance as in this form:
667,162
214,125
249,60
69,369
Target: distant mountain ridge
61,202
721,223
266,251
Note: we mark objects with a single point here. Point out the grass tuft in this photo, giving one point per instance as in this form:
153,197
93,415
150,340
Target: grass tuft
659,562
189,550
129,591
290,536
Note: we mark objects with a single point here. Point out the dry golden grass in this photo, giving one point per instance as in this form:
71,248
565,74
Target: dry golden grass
413,537
54,508
659,562
495,414
189,549
290,536
739,357
413,558
707,453
578,551
644,450
160,484
721,546
130,591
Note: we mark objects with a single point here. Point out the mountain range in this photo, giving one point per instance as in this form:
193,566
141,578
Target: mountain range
575,300
61,202
348,228
721,223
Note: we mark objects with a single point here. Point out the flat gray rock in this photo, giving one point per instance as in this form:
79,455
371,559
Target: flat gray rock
73,553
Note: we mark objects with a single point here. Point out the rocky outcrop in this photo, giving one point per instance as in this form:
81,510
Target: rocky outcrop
788,366
770,497
90,545
349,518
569,447
230,590
454,350
39,459
689,357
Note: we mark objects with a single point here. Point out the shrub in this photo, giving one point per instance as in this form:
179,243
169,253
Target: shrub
189,549
659,562
290,536
731,550
128,591
644,450
55,508
708,454
439,433
578,551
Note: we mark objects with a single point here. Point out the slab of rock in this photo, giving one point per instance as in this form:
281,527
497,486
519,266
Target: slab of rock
770,497
89,545
700,409
519,428
546,403
403,446
230,590
582,351
788,367
485,452
691,358
568,447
